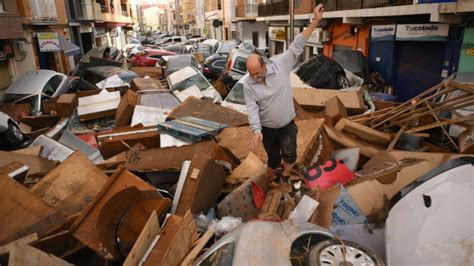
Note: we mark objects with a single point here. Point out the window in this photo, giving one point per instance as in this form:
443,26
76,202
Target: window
124,9
236,95
44,9
52,85
219,64
103,5
240,64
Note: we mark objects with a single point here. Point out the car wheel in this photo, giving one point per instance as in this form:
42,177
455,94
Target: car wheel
342,81
342,252
13,136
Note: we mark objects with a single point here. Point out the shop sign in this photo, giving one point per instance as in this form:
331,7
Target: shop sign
422,32
48,42
114,32
383,33
277,33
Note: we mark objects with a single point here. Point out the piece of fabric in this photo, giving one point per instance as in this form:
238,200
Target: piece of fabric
271,104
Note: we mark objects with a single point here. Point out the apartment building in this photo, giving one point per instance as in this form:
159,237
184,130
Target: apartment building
414,44
246,26
214,19
116,21
46,36
11,35
189,17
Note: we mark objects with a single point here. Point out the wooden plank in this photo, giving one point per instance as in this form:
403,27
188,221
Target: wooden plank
24,240
92,225
33,151
466,141
465,87
317,98
395,139
144,240
362,132
349,142
209,111
176,240
97,106
236,140
173,157
37,165
22,255
72,185
202,186
198,247
23,213
335,110
443,123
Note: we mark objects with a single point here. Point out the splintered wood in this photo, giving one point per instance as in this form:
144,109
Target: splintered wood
447,97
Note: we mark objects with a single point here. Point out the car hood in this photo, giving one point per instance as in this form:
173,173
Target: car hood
31,83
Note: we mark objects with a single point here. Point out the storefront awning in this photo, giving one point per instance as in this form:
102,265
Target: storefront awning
68,47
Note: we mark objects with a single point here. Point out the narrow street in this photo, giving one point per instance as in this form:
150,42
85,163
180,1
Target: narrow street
237,132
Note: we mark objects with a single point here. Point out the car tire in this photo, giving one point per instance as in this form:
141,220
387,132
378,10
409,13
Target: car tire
331,252
12,137
342,81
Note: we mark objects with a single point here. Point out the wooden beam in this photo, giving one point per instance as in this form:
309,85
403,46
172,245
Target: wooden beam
144,240
442,123
362,132
198,247
395,139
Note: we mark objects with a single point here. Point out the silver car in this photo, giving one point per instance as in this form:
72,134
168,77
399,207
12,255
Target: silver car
36,86
189,77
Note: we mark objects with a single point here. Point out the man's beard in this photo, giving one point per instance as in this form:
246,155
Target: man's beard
260,79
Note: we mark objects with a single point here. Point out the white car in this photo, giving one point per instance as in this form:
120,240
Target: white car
235,99
432,223
36,86
190,78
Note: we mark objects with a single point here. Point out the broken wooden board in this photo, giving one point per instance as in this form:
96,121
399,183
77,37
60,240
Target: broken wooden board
176,241
15,170
202,186
251,166
209,111
236,140
37,165
125,108
33,151
23,213
154,72
119,140
315,99
335,110
150,160
349,142
98,223
61,244
142,84
24,240
363,133
72,185
22,254
150,231
370,195
101,105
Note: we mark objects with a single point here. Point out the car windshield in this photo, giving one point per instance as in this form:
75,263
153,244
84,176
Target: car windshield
197,80
178,63
241,64
236,95
227,47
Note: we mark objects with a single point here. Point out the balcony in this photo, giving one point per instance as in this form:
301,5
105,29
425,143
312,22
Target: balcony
90,12
246,11
273,9
339,5
44,12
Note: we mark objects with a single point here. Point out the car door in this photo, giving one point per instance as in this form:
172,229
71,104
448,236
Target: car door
51,87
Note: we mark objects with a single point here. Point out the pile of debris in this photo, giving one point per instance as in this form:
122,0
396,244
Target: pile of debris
140,177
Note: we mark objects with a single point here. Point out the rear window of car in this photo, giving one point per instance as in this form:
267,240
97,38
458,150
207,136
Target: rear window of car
240,64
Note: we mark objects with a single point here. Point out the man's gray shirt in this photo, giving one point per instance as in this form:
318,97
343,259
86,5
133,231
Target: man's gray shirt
271,105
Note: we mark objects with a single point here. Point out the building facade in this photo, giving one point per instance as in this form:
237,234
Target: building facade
421,44
46,35
11,42
116,21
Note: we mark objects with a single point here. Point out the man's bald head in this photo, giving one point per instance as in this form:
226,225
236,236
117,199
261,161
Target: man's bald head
256,67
